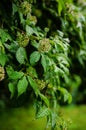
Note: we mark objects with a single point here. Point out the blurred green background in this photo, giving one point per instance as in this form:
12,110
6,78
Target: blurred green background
23,118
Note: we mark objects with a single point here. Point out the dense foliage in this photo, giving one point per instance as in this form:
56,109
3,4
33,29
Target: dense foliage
42,53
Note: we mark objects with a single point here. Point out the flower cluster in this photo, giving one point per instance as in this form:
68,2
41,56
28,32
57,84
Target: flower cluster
25,8
41,84
44,45
22,39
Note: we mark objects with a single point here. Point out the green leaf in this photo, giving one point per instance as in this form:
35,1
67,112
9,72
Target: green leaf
69,98
9,70
43,111
15,9
34,57
4,35
12,47
63,59
22,21
43,62
22,85
53,119
65,69
46,62
14,74
32,72
11,89
29,30
35,44
44,98
66,95
1,47
3,59
21,55
34,85
60,6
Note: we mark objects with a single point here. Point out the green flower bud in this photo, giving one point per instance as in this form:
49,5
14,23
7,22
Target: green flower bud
38,13
33,20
